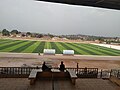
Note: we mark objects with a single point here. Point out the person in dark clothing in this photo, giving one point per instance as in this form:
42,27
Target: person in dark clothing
62,66
44,67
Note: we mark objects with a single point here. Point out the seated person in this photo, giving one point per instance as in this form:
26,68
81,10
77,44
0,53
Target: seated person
45,68
62,66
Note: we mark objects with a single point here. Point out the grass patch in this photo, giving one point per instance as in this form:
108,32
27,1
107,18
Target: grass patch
39,48
7,45
20,49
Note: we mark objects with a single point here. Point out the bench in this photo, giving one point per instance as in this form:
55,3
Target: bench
33,74
73,76
55,70
56,73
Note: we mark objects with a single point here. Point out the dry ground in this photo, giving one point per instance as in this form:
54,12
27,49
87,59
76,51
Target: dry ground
18,60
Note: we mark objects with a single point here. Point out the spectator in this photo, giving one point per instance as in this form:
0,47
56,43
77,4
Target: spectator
62,66
37,67
44,67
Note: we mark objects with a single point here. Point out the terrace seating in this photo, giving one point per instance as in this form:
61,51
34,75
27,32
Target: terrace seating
39,73
33,75
73,76
54,73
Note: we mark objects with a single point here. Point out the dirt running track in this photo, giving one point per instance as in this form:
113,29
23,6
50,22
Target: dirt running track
24,59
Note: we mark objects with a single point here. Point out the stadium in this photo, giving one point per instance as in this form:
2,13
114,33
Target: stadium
33,61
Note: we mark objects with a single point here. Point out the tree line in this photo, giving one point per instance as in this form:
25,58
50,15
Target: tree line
6,32
108,40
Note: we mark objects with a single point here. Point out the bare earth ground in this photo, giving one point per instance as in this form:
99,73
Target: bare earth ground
25,59
46,40
108,45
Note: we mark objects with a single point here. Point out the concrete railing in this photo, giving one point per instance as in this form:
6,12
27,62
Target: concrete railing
80,72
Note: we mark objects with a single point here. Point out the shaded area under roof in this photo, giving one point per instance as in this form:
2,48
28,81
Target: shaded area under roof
110,4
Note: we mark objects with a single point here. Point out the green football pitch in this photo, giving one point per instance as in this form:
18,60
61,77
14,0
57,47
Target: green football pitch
26,46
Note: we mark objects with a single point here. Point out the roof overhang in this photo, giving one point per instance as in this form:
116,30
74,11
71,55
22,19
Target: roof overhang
110,4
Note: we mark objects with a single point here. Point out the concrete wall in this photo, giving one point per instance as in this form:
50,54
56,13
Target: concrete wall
115,80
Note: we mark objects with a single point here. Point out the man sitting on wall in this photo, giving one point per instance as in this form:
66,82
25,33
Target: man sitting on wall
62,66
45,67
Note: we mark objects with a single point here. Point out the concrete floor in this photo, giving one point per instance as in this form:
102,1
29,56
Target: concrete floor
61,84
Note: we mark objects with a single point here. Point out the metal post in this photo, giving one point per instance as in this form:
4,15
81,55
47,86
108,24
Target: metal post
118,74
101,74
77,68
110,73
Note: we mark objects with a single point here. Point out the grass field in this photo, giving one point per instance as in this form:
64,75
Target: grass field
25,46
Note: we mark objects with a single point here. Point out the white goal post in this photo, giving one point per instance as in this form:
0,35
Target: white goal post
68,52
49,51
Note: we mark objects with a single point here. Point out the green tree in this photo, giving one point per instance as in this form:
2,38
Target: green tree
101,39
108,42
50,35
5,32
19,32
14,32
28,33
39,35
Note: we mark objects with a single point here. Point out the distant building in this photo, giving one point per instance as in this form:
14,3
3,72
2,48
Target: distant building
46,37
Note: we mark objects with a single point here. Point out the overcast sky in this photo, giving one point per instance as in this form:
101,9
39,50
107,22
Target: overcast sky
45,17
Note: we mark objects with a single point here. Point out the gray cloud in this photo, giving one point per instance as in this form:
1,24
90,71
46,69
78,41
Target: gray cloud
44,17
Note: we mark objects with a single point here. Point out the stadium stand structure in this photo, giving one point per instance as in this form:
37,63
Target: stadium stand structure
110,4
